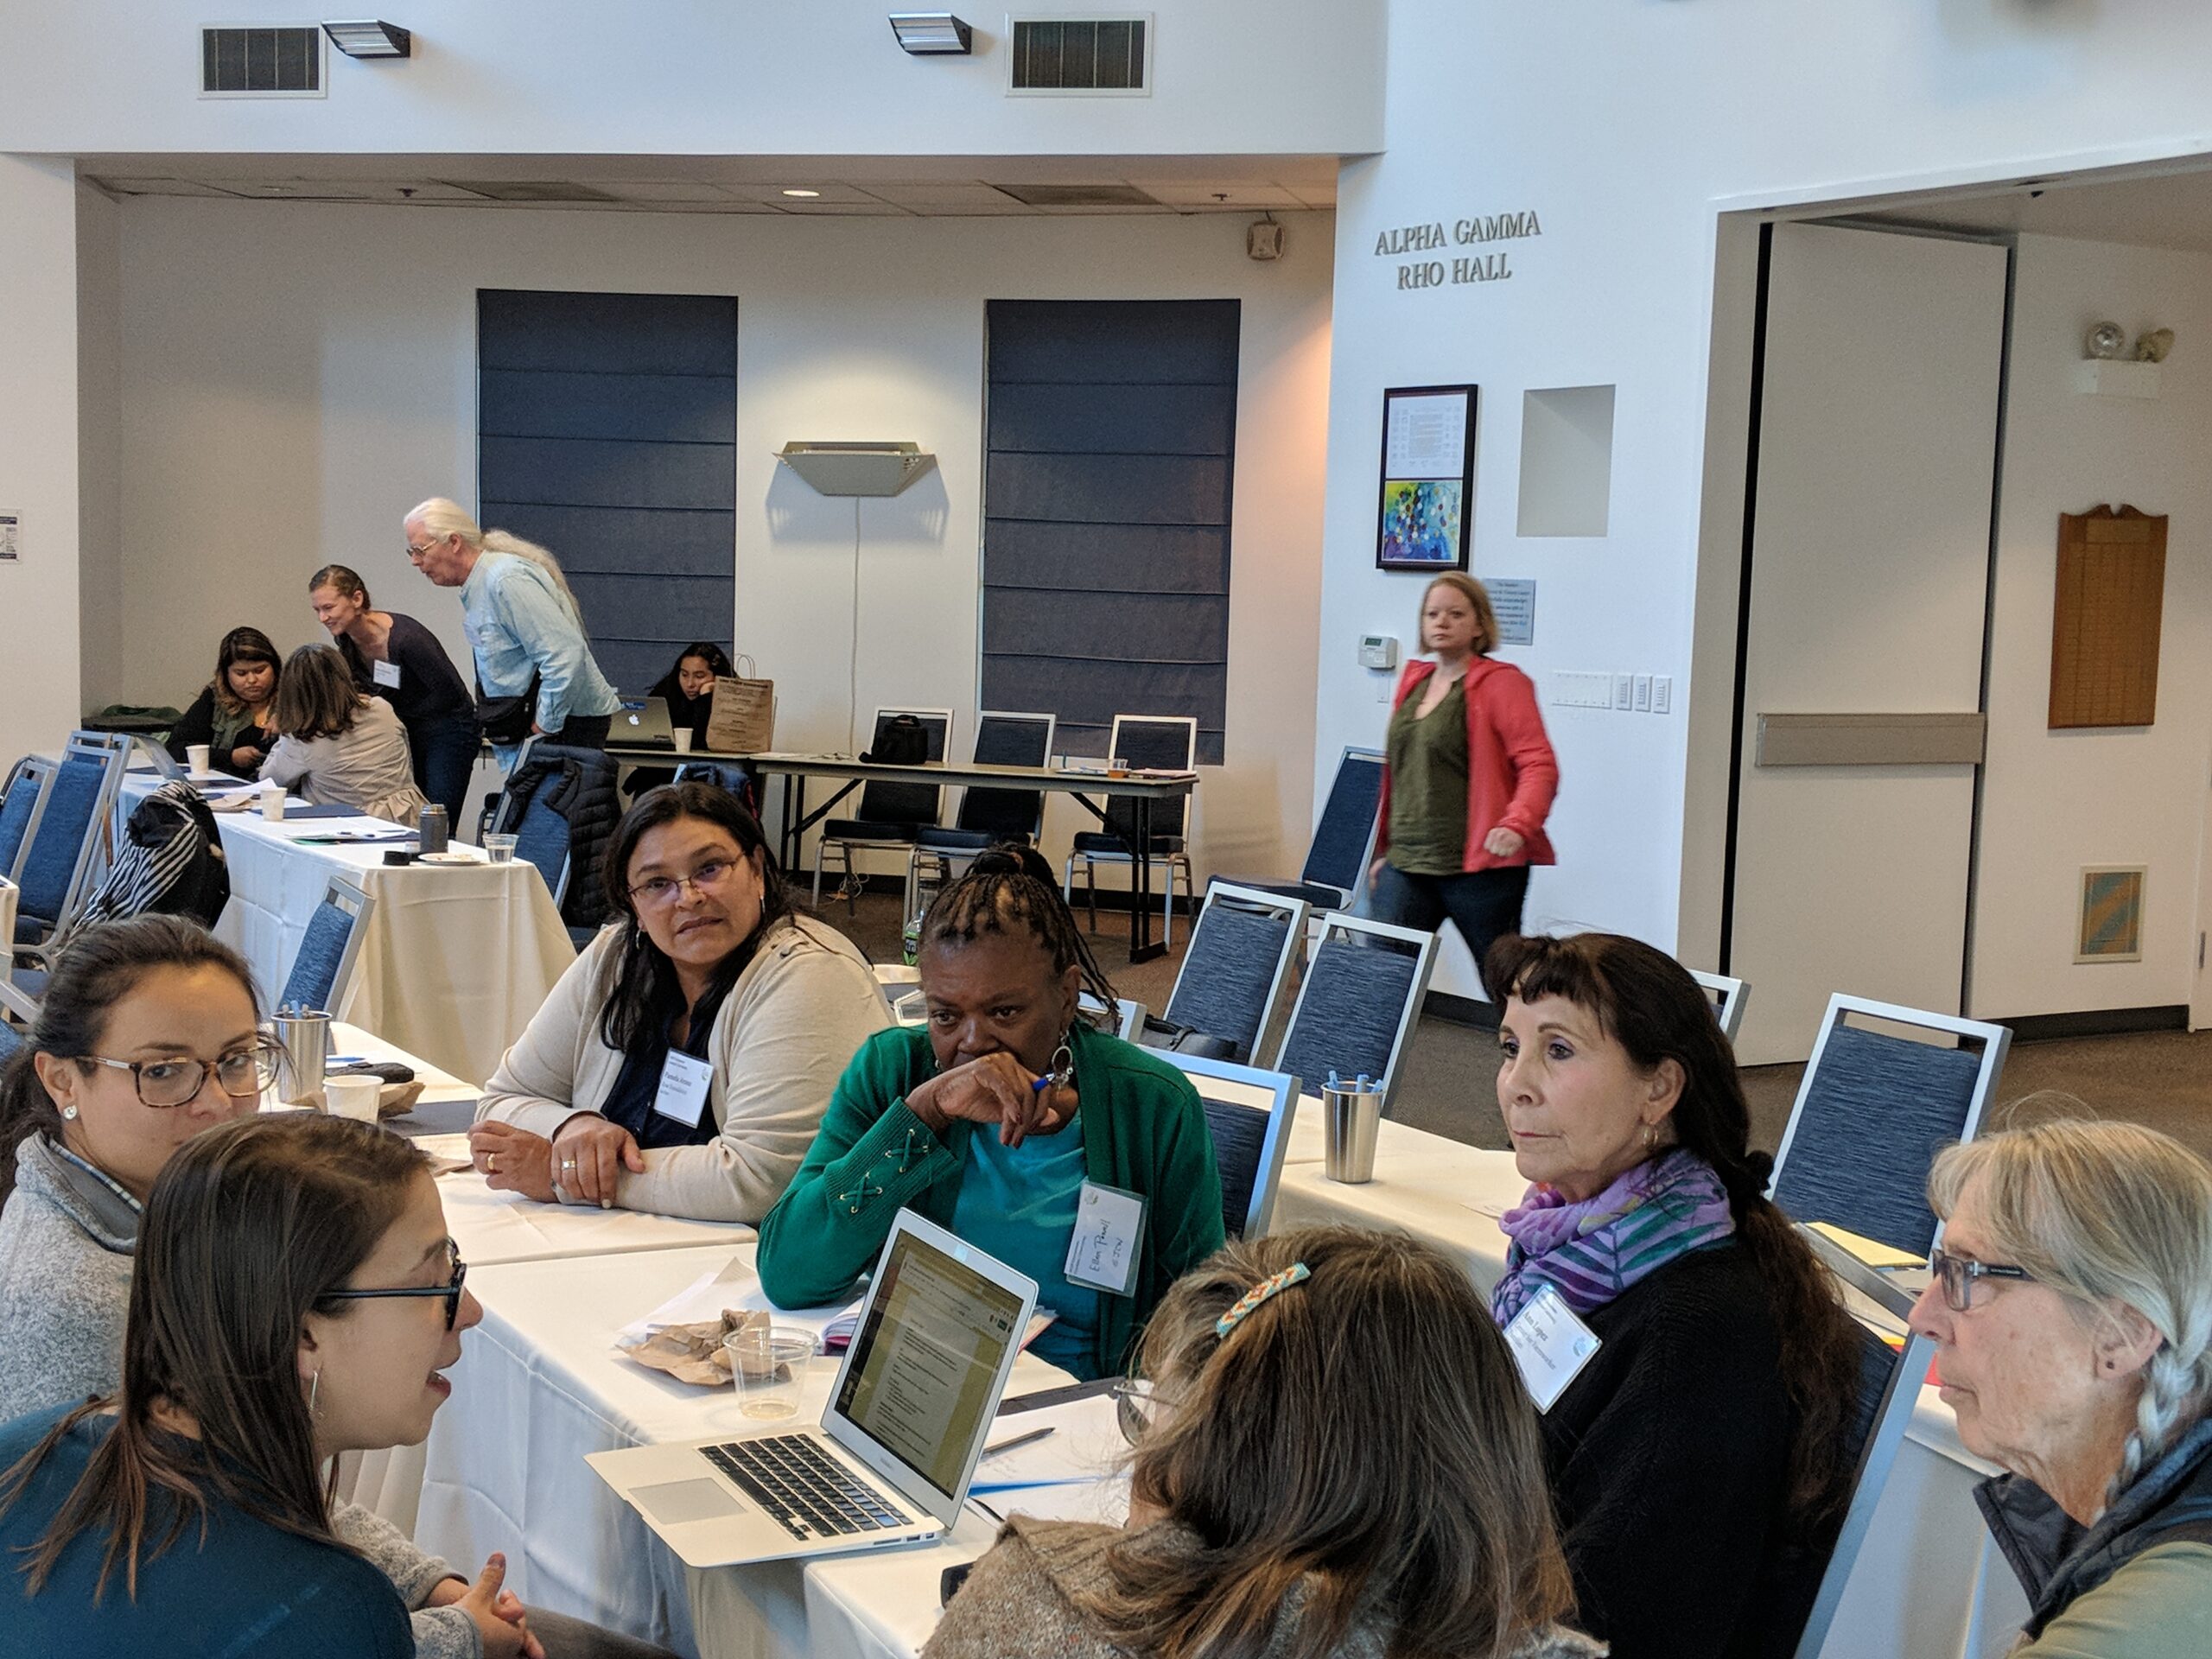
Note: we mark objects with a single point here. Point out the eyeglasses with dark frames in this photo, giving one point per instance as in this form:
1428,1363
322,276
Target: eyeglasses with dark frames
1958,1275
175,1082
450,1290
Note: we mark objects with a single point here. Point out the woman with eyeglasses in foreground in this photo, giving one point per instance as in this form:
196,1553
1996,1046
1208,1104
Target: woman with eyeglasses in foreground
2072,1308
1336,1458
682,1064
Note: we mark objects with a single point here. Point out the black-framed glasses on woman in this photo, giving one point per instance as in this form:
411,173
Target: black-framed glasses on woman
450,1290
177,1081
660,890
1958,1275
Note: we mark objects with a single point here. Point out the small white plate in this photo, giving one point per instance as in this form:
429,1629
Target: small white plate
447,858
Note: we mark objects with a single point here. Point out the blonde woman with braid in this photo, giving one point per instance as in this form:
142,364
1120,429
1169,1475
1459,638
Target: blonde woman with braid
2072,1304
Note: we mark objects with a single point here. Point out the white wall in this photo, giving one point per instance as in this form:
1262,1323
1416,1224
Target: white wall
1625,127
2054,801
38,455
296,376
691,78
99,444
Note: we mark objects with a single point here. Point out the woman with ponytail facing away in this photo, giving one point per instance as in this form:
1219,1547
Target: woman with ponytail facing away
1698,1457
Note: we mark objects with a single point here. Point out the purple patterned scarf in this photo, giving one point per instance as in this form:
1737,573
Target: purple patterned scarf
1592,1249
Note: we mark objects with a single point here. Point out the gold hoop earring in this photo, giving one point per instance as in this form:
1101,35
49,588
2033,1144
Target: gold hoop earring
1651,1137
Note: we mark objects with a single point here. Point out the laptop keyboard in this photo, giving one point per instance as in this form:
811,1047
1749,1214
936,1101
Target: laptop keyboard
807,1491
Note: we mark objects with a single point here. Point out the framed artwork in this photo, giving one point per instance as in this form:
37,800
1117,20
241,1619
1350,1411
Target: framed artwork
2112,913
1428,478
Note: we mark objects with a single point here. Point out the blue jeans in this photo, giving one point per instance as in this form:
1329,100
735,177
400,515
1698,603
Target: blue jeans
444,752
1482,904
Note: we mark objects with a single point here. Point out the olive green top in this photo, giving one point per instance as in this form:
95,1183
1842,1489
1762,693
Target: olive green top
1428,783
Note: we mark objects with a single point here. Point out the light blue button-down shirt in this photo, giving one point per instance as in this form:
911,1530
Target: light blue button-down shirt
517,624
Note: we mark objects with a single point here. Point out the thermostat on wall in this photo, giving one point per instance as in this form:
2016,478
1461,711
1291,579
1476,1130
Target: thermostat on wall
1378,651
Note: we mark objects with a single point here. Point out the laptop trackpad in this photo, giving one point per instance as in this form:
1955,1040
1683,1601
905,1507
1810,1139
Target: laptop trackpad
674,1501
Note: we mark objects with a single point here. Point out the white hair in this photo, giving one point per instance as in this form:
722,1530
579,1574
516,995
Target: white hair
442,517
2107,1213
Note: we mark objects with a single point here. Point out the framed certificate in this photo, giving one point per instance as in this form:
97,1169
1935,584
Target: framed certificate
1428,478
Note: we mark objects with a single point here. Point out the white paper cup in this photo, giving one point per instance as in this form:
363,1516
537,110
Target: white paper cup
683,735
272,804
354,1097
195,757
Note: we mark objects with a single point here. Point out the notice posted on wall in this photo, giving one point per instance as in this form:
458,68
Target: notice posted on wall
11,537
1514,602
1425,436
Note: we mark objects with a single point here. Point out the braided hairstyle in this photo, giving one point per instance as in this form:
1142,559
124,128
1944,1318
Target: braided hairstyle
1647,1002
1009,889
2105,1214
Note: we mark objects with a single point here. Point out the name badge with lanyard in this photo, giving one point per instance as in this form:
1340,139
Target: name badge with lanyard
385,674
1108,1231
683,1092
1550,1344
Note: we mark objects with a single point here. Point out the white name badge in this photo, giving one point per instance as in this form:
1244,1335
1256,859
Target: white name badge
683,1093
1550,1344
1103,1251
385,674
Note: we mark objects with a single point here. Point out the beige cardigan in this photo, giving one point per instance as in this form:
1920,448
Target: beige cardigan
801,1007
366,766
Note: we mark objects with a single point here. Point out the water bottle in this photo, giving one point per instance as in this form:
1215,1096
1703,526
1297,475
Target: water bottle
430,830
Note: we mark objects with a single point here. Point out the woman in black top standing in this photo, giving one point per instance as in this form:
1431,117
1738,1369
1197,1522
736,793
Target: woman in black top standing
230,715
396,658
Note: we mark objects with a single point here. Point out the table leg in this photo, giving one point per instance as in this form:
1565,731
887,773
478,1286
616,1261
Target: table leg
1141,947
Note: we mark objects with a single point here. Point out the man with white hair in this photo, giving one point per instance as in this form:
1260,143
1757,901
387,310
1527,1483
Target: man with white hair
535,674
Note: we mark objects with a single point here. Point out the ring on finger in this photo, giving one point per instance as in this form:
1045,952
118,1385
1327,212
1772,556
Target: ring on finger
491,1163
567,1165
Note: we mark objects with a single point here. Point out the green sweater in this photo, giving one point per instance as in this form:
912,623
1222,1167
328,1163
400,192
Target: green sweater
1144,1131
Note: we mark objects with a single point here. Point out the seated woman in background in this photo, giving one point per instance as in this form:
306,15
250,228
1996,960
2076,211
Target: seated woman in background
2072,1308
232,715
90,1139
682,1064
994,1119
395,657
337,745
689,689
1339,1460
1697,1459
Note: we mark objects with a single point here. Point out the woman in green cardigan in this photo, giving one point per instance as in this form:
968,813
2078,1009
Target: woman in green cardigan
1002,1119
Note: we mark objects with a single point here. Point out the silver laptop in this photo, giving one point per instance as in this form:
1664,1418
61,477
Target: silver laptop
643,723
890,1463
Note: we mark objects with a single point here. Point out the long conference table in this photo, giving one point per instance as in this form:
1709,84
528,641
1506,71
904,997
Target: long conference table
1140,790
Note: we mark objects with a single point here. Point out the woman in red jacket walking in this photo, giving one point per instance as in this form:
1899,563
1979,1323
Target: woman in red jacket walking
1470,780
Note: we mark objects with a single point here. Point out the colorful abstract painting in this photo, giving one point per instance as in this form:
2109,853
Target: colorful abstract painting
2112,915
1420,522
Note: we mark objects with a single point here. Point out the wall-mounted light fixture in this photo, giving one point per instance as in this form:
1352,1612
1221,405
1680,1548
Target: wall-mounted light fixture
371,38
932,34
857,468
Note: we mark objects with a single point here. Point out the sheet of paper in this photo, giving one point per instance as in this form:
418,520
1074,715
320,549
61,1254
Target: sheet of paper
1086,1444
733,1285
1106,1501
1427,436
1871,1251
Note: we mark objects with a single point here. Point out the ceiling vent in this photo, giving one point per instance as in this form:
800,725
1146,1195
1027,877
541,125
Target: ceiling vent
1078,195
536,190
1090,57
261,61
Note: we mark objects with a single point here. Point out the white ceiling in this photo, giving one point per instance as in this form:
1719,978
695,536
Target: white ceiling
920,186
2166,209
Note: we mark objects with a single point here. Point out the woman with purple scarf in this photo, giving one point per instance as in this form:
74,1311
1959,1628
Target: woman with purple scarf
1694,1457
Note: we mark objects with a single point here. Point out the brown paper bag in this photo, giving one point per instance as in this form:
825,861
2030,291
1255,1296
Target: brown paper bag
742,718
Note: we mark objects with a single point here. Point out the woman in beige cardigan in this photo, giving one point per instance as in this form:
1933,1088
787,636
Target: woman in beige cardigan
683,1063
337,745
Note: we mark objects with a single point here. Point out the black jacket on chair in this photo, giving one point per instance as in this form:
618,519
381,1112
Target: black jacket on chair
579,784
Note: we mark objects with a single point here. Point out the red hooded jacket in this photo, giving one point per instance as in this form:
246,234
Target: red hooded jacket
1512,775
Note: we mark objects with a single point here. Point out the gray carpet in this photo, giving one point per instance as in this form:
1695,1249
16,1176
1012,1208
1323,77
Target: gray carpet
2161,1079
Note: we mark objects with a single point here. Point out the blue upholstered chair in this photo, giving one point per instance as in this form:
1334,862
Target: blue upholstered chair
62,854
1157,743
1357,1003
1335,873
19,811
1128,1014
323,968
891,814
739,778
987,816
1240,953
541,838
1872,1111
1728,997
11,1041
1249,1112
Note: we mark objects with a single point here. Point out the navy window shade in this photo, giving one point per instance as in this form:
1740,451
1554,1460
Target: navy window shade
1111,433
606,431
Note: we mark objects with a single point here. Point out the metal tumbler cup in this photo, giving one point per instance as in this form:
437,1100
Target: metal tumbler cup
304,1034
1350,1112
430,830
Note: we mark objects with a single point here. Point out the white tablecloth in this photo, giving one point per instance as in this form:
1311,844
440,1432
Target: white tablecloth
1927,1585
456,960
540,1385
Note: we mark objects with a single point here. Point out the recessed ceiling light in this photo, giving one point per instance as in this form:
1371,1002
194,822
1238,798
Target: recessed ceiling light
802,193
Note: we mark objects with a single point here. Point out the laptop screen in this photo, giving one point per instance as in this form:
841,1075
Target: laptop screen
920,1377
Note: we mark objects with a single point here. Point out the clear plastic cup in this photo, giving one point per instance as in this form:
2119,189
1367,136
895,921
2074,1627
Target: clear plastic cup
354,1097
768,1364
500,850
